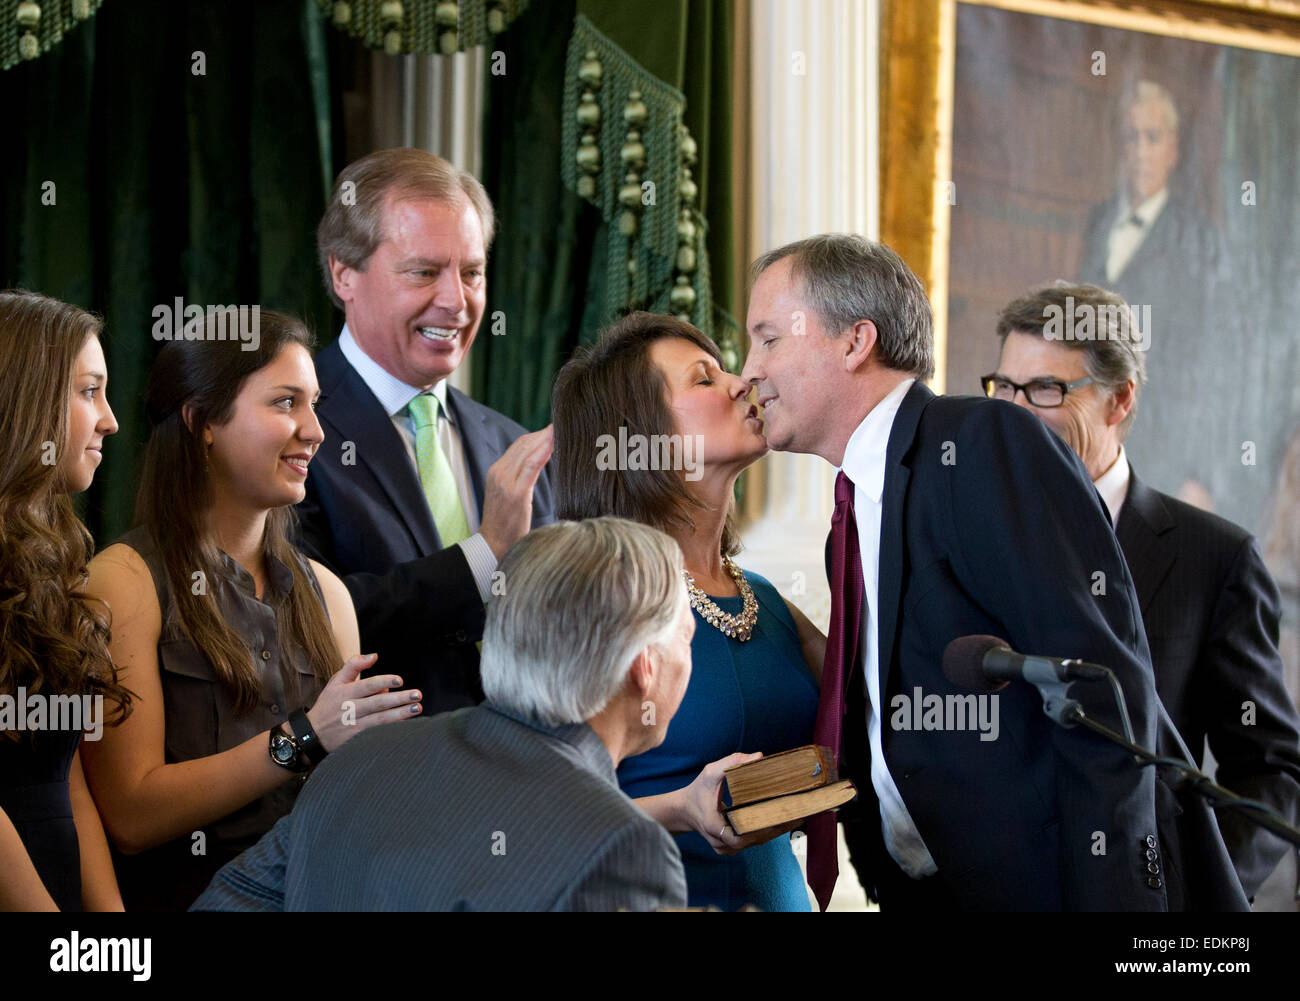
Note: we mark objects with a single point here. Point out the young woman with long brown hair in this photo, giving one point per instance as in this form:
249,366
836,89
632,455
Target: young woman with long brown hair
221,627
54,416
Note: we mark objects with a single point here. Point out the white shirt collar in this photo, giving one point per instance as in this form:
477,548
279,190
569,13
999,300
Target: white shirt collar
1113,485
1147,211
864,456
391,392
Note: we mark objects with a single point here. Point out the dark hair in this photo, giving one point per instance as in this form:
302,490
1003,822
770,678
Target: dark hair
176,493
1112,355
847,278
610,384
49,640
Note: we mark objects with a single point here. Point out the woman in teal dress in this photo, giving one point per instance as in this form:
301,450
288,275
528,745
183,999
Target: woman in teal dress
649,426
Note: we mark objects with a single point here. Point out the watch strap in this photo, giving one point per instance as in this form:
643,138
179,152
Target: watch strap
308,743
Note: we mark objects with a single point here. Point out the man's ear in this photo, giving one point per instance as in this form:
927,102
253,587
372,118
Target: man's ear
1121,402
341,278
641,676
859,340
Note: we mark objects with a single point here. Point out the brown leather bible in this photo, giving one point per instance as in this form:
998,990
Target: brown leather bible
779,788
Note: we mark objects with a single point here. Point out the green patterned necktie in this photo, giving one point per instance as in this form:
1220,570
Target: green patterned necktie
435,472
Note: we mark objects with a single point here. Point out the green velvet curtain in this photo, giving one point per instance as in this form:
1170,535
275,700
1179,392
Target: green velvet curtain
209,186
548,261
168,182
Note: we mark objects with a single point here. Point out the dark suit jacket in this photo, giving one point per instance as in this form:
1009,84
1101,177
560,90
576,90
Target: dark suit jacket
1180,256
477,810
990,525
368,521
1182,271
1211,612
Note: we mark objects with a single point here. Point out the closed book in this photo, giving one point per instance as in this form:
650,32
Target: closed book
780,774
796,806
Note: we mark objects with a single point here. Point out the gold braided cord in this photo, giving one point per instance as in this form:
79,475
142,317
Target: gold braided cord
28,29
650,240
415,25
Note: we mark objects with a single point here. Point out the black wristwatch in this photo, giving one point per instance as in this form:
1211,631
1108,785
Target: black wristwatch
287,752
308,743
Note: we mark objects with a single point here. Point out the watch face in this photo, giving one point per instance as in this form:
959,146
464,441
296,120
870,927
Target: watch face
283,750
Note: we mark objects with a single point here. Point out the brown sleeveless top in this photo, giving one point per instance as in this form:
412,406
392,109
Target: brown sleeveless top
200,720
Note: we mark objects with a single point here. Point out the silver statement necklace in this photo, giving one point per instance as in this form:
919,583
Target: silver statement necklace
738,627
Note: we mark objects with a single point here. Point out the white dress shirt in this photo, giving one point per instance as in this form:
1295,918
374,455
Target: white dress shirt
395,397
864,464
1113,485
1126,236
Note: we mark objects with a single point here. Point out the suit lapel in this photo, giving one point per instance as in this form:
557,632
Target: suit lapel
1155,247
892,502
1144,535
1097,245
354,414
471,422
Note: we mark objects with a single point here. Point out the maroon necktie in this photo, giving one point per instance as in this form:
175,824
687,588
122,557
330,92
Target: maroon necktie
841,655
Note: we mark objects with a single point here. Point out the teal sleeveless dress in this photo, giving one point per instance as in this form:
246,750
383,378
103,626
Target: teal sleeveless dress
752,696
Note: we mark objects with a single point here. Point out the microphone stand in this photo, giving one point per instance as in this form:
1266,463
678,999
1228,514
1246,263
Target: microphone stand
1068,713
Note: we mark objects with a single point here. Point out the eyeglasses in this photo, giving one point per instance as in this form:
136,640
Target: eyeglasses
1039,392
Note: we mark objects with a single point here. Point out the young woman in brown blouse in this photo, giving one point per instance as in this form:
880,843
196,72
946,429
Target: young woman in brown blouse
243,652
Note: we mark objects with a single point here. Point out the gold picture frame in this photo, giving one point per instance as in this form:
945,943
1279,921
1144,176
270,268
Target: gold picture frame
916,87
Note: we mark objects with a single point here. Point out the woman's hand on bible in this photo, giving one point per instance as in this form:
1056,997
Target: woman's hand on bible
702,808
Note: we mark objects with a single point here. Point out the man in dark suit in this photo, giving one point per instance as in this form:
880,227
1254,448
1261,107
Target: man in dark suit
1149,244
513,804
1209,606
417,491
941,531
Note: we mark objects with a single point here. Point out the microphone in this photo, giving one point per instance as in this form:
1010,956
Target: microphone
987,663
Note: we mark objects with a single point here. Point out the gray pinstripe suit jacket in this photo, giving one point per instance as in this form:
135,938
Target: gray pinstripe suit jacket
475,810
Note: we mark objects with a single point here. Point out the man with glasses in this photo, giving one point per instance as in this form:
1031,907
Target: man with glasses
1208,603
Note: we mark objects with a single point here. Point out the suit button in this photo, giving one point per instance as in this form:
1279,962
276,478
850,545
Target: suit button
1151,840
1151,855
275,709
1152,868
1154,882
266,654
462,636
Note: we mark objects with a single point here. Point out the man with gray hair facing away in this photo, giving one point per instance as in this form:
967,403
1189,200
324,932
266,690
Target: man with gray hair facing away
512,804
1209,605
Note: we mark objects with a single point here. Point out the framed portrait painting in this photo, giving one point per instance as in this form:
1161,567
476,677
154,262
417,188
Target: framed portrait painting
1152,149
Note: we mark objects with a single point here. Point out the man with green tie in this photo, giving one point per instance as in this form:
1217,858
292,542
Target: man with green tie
418,490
